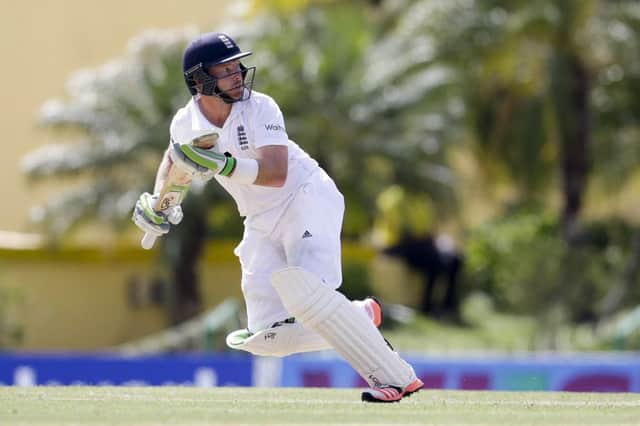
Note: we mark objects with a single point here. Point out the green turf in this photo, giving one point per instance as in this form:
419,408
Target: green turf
251,406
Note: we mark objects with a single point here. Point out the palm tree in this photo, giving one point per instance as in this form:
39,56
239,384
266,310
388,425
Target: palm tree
114,117
528,73
547,88
357,102
113,127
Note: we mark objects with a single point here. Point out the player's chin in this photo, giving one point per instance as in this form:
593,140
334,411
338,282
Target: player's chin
236,93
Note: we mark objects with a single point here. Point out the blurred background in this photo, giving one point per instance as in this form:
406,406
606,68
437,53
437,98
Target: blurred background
488,152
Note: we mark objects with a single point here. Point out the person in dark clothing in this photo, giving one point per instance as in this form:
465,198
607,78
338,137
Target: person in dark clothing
433,258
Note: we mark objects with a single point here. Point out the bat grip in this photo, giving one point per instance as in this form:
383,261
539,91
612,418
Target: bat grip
147,241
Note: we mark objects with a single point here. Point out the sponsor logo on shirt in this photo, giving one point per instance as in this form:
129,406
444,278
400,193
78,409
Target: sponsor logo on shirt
242,138
274,127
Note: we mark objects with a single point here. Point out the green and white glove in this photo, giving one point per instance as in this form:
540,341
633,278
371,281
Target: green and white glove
201,163
152,222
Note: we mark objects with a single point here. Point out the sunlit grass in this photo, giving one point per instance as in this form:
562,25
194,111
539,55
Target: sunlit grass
252,406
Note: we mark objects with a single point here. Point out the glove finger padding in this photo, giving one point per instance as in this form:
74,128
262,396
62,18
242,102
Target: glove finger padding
174,215
196,170
147,219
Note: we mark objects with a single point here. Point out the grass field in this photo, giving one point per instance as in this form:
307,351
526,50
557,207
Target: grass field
251,406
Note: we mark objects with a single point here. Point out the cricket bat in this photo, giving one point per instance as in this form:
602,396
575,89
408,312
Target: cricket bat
176,185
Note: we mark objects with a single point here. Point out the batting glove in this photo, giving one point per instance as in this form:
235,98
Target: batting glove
155,223
197,171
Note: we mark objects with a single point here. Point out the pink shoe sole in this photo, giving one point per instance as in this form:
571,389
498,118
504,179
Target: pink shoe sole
391,393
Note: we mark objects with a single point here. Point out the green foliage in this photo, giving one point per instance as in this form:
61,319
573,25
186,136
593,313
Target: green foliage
484,329
547,87
370,121
400,214
356,283
488,245
524,264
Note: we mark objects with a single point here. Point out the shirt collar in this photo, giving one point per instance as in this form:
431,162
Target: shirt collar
200,122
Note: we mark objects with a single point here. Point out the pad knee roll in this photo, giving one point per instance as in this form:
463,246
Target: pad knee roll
305,296
348,329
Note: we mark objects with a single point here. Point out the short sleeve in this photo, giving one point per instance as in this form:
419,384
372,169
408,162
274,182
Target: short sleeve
184,127
269,125
179,127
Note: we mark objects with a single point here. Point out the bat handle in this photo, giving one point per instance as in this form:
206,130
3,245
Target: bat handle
147,241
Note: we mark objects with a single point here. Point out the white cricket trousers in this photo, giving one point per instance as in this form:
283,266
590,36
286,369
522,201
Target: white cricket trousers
306,234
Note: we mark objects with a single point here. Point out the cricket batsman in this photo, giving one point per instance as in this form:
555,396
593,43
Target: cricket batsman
290,251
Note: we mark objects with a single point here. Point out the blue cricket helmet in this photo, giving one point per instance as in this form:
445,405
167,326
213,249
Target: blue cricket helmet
213,49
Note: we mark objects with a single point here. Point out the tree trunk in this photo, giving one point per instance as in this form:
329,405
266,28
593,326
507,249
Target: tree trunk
571,90
184,246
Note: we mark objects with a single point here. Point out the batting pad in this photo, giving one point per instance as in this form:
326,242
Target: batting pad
283,340
347,328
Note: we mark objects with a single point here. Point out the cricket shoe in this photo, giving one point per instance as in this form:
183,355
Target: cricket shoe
373,308
391,393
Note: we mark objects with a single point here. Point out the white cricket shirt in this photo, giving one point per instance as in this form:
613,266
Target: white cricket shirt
252,124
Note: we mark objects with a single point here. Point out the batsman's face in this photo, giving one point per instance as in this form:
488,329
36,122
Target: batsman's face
229,76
